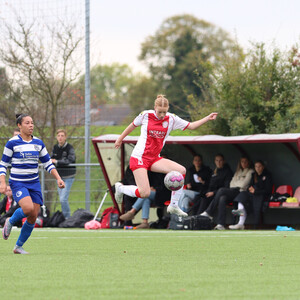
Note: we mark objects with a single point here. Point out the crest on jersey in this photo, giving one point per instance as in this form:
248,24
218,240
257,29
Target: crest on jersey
19,194
36,147
165,124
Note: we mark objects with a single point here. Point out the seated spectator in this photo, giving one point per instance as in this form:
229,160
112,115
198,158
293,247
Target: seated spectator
220,177
239,183
196,180
8,206
251,201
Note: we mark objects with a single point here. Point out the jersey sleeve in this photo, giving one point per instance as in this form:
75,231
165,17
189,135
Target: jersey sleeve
45,159
139,119
179,123
6,158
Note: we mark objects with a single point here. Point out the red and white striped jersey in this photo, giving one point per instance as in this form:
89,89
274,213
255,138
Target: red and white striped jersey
154,132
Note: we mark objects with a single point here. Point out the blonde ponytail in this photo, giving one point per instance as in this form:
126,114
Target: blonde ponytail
161,101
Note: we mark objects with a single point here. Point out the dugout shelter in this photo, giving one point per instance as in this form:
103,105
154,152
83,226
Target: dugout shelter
280,152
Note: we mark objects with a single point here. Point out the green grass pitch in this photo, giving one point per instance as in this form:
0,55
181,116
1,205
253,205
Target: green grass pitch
152,264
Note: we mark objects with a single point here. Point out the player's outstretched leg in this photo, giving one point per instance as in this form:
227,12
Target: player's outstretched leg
23,237
118,193
173,208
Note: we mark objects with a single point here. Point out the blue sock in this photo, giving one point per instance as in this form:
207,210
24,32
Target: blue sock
25,233
17,216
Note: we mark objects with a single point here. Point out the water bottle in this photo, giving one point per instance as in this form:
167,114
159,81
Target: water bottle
129,227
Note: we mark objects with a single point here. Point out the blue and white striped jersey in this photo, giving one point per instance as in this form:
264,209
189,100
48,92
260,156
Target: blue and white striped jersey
24,158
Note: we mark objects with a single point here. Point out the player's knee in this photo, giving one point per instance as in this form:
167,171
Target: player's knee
182,170
28,209
144,193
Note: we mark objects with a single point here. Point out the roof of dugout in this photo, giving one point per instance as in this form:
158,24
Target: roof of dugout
281,152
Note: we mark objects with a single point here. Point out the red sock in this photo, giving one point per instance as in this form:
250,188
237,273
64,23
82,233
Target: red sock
137,193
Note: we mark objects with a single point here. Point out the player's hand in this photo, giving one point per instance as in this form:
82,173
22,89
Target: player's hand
212,116
61,184
118,144
2,188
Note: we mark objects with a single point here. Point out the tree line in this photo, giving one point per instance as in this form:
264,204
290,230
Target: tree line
197,65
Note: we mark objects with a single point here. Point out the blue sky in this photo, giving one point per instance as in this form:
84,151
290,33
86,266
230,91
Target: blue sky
119,27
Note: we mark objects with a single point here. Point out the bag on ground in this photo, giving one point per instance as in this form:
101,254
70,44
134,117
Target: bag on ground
110,218
196,222
56,219
78,219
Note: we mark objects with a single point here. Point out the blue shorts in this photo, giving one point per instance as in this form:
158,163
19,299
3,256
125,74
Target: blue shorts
24,189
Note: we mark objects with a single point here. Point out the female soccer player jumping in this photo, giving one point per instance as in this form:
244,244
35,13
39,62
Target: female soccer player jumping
24,151
156,126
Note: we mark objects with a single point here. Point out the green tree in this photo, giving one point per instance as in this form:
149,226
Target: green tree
109,83
142,93
255,92
178,53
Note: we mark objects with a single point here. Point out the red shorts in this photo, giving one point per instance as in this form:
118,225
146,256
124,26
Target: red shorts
146,163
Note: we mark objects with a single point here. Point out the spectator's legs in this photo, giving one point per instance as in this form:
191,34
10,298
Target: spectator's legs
227,195
204,204
64,197
243,216
215,202
257,203
186,198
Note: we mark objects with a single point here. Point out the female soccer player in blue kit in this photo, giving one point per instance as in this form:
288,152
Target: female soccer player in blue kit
23,152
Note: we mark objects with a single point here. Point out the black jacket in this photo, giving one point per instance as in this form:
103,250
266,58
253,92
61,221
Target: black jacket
222,178
262,183
205,173
64,155
9,213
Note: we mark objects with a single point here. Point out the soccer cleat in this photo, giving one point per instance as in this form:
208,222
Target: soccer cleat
236,227
118,194
237,212
127,217
205,214
6,229
219,227
176,210
19,250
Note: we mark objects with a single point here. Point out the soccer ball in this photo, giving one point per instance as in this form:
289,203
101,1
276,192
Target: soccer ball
174,181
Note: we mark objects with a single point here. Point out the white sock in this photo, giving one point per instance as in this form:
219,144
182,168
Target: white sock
242,218
175,196
128,190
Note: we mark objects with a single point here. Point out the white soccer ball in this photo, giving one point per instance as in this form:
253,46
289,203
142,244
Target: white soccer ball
174,181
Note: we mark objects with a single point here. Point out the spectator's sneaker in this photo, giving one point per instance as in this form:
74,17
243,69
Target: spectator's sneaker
219,227
237,212
118,194
236,227
6,229
19,250
205,214
128,216
172,209
143,226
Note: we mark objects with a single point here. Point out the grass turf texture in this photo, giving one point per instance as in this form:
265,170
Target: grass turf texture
152,264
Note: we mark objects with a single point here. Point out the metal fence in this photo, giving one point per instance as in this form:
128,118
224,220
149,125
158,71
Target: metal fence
77,197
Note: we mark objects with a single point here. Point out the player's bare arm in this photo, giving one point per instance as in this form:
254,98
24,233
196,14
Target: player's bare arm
127,131
196,124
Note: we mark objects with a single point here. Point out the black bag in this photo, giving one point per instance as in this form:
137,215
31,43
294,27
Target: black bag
78,219
276,197
196,222
56,219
